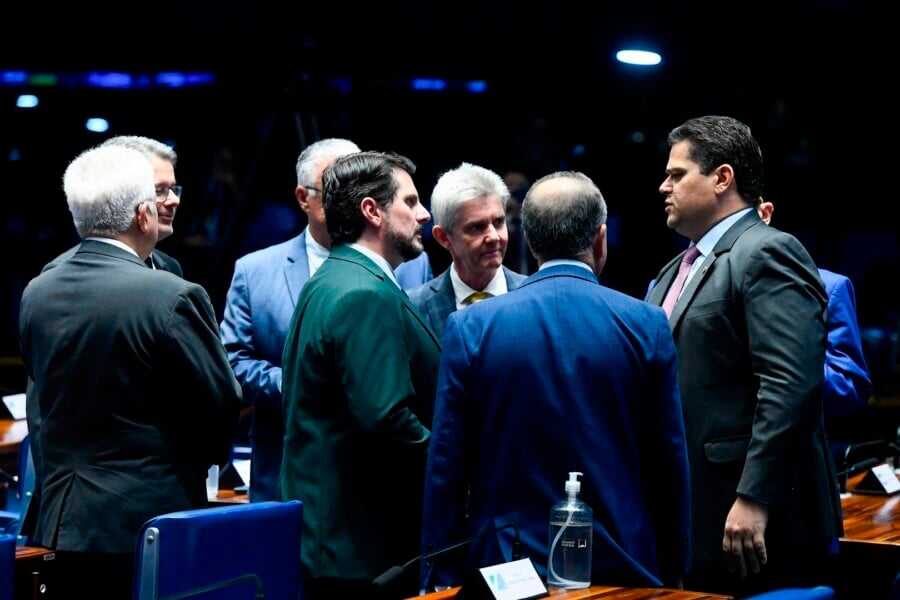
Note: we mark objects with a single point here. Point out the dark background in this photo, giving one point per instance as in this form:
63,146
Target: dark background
811,78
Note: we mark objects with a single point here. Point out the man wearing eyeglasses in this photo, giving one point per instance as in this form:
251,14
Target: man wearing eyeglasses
261,300
168,197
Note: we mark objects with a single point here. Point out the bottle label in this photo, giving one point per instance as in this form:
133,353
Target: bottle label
573,543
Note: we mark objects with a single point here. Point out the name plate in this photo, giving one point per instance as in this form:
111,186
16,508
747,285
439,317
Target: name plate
879,480
515,580
13,407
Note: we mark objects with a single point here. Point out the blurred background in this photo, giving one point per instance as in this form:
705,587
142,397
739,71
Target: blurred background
239,89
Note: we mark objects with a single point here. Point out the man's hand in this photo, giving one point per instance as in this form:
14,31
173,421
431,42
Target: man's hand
744,543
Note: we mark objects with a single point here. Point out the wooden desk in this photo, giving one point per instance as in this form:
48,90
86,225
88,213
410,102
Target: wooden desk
603,592
11,435
32,567
229,497
869,556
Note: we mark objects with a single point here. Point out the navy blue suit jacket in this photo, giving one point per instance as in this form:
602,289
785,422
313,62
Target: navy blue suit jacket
436,299
258,310
595,392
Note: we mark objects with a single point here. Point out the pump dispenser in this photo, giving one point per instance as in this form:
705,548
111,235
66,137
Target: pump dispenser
571,539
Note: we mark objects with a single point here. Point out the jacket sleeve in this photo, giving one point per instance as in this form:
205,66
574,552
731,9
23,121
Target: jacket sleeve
259,378
847,382
208,394
783,301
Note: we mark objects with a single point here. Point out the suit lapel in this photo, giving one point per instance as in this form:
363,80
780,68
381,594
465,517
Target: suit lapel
296,269
723,246
444,300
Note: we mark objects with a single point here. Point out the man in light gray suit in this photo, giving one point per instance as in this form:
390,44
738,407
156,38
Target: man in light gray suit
469,208
259,305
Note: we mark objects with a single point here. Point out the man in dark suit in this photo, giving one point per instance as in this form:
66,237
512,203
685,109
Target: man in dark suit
847,381
359,375
259,305
596,392
168,197
469,206
748,317
132,387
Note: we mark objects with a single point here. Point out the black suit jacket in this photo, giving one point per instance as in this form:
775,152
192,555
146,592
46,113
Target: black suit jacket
750,334
161,260
132,393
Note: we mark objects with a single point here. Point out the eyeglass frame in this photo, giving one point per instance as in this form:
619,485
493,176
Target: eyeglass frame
175,188
315,191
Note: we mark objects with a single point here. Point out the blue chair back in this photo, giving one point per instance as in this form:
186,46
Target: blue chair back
226,552
19,496
821,592
7,566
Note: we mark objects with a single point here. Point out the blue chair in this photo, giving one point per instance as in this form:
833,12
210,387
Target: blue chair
226,552
821,592
19,495
7,566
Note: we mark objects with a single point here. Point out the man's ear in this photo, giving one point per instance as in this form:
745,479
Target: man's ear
441,236
372,211
144,217
302,195
724,177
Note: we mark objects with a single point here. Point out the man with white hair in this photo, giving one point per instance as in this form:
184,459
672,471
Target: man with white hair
168,197
103,339
469,207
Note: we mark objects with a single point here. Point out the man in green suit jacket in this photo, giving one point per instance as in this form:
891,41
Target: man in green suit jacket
359,378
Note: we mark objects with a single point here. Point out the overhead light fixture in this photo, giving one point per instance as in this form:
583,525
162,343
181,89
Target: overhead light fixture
644,58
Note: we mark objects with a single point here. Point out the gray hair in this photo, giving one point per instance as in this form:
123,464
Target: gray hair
561,221
148,146
104,186
462,184
315,152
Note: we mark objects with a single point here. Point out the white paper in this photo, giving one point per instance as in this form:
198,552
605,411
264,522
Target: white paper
513,580
885,475
15,404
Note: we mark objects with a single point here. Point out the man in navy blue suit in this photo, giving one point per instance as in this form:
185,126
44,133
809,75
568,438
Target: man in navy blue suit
469,206
596,392
259,305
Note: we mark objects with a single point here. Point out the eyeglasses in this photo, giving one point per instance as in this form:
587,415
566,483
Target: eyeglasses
313,190
162,191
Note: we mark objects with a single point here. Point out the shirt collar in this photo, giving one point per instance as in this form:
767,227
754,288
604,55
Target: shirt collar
113,242
461,290
709,240
377,259
565,261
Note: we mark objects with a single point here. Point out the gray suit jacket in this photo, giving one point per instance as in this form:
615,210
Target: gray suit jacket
133,396
436,300
750,333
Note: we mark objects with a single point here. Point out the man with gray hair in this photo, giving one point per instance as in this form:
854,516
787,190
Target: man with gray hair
596,393
469,207
168,197
259,305
103,338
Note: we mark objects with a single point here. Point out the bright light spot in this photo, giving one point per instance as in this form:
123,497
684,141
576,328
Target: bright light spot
436,85
638,57
97,125
27,101
477,86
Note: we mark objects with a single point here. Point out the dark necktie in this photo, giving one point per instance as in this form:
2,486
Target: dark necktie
684,268
476,297
149,262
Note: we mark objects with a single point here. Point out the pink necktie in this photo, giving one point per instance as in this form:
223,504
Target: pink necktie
675,289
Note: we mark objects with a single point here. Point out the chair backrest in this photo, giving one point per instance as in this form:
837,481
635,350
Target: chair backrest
17,496
180,554
7,566
821,592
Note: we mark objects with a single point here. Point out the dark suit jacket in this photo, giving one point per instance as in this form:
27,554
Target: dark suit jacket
359,375
750,333
596,393
258,309
436,299
162,261
135,396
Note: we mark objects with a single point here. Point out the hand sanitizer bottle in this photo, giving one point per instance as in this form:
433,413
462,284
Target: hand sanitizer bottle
571,540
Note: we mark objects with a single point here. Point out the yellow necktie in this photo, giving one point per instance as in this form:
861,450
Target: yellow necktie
476,297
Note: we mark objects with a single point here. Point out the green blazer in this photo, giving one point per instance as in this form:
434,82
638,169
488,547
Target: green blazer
359,377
